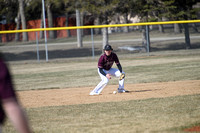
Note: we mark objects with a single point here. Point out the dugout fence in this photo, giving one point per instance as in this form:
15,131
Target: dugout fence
123,42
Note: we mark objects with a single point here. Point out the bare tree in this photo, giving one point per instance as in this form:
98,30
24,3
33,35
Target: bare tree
18,20
177,28
104,11
50,19
23,19
79,37
187,36
41,26
67,24
68,8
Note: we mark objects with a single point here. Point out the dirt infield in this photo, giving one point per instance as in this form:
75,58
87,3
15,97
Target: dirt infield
70,96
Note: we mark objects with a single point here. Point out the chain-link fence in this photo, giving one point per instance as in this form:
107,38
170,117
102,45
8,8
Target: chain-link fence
125,39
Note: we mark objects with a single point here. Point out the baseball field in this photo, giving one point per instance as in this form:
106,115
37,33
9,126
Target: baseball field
164,93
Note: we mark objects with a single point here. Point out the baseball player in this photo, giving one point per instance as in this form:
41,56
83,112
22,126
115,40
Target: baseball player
9,105
105,71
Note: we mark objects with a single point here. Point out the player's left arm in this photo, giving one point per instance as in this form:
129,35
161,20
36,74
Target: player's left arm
122,75
119,67
118,63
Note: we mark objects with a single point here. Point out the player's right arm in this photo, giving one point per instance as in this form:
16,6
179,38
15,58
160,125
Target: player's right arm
102,72
16,114
9,101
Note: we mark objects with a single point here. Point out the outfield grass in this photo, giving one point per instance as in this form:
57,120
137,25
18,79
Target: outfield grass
158,67
172,114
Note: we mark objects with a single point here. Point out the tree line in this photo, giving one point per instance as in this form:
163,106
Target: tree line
103,11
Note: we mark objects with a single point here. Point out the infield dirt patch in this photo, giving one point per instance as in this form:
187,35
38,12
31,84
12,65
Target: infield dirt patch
70,96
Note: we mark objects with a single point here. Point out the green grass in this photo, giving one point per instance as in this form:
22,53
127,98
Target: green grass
172,114
163,67
164,72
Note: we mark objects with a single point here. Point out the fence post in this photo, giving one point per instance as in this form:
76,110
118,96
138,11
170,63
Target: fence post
38,56
92,38
147,38
45,33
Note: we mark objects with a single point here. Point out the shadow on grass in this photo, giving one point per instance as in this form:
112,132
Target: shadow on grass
174,46
53,54
85,52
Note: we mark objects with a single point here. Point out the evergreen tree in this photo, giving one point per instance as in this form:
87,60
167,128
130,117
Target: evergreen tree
181,10
104,10
8,10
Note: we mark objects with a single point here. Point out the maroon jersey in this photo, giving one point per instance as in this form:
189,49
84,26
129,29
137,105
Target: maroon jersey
6,87
106,62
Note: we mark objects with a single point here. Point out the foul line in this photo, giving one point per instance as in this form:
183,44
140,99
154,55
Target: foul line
98,26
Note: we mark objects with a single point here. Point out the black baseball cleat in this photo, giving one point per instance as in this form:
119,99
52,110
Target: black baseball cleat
122,91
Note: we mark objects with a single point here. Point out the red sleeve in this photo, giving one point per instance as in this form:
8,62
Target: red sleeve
6,87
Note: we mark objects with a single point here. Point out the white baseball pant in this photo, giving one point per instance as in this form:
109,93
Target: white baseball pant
104,80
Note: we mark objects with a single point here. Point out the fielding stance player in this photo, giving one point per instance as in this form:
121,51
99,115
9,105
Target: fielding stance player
105,71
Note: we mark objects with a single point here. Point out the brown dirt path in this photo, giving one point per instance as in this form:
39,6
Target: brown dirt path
70,96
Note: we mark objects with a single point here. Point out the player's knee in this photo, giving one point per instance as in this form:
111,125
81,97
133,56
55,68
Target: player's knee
105,81
119,73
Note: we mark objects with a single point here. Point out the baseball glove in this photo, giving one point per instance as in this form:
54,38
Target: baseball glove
122,76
